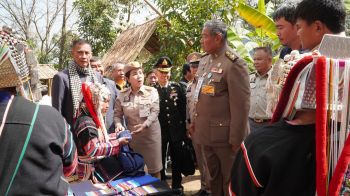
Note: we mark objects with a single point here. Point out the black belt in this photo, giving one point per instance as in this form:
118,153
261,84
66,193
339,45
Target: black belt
260,120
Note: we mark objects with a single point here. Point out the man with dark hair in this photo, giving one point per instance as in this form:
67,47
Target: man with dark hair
280,159
186,76
96,64
316,19
221,98
286,28
151,78
262,62
66,85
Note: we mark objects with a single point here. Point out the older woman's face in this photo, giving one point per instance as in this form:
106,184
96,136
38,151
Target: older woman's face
136,78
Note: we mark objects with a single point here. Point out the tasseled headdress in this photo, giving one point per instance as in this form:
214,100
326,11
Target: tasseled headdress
94,95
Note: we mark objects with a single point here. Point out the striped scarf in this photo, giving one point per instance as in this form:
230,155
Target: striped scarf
75,84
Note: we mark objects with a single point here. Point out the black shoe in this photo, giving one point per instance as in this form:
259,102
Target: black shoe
202,193
178,190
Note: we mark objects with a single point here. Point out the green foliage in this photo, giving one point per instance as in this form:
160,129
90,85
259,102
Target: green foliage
96,23
261,6
70,36
187,18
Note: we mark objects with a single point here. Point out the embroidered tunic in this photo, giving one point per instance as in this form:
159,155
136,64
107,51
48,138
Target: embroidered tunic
93,152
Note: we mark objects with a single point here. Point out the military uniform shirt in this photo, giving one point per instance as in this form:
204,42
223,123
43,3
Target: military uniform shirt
172,115
258,103
221,111
139,108
142,108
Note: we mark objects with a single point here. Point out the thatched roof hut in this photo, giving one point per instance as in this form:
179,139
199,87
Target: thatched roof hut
46,73
131,42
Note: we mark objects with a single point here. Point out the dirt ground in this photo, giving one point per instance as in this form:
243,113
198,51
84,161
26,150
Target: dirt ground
191,183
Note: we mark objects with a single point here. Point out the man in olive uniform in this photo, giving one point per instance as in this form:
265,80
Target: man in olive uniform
258,115
221,99
172,116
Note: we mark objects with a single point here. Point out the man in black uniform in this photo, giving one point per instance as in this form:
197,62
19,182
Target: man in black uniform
172,115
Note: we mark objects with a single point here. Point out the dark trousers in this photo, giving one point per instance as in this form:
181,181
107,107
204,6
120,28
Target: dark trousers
175,156
254,126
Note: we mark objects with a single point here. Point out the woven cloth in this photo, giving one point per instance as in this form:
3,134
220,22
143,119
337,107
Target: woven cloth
75,83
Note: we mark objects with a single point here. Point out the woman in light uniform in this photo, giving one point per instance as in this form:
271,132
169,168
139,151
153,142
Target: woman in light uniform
139,104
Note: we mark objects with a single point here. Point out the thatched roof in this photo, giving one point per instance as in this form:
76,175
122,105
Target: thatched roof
46,71
130,42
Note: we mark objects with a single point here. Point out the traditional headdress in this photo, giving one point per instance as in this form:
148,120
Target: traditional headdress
15,71
94,95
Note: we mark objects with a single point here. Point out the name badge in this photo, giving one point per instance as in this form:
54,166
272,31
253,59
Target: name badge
144,111
208,90
198,88
216,70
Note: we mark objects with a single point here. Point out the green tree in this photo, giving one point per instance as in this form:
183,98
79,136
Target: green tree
96,23
183,36
64,51
101,20
188,16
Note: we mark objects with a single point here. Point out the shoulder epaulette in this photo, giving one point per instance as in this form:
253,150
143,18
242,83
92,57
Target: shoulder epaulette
205,54
231,56
149,88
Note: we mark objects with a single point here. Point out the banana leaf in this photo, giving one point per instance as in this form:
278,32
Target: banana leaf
256,18
347,5
261,6
241,48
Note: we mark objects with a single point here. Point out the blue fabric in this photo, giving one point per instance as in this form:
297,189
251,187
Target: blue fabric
127,134
132,162
4,96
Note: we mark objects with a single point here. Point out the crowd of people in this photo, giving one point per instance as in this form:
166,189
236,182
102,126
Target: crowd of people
240,148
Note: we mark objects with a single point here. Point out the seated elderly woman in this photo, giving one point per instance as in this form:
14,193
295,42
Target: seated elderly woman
97,149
